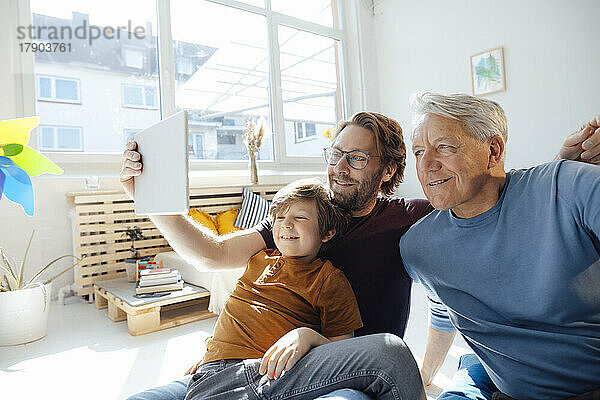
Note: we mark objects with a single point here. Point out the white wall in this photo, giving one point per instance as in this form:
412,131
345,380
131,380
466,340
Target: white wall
551,56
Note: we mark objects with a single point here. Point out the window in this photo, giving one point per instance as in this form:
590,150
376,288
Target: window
84,87
52,88
310,89
305,131
229,61
60,138
196,146
139,97
225,138
133,58
231,83
184,66
319,11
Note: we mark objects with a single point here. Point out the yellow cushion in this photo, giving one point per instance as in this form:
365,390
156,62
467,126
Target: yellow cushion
203,219
224,221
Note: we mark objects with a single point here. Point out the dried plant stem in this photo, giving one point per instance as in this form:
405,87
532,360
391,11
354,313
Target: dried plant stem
20,285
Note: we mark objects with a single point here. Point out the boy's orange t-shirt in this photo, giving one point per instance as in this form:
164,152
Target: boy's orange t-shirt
276,295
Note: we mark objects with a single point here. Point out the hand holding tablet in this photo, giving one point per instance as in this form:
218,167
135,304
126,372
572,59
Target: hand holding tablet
156,171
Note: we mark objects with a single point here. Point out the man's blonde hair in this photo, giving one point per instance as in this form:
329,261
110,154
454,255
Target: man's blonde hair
388,140
330,216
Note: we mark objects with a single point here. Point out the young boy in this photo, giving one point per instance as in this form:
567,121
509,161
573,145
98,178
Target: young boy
286,302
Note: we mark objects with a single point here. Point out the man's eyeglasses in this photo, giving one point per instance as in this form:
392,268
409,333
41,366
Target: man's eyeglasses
355,159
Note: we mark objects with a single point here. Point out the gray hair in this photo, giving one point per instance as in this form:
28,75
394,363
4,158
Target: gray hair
482,118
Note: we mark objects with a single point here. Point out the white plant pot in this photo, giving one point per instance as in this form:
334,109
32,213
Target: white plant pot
24,315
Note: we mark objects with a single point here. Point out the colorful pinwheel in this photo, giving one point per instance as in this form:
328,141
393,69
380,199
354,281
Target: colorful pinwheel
19,162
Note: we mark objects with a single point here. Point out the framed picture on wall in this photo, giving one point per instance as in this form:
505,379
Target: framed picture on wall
487,72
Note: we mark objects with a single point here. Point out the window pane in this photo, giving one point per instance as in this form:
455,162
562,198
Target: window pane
150,102
68,138
128,135
47,137
310,129
66,90
310,89
45,87
258,3
134,58
229,80
318,11
99,68
132,96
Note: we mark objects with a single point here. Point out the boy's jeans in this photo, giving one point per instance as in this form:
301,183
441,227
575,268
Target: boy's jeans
381,366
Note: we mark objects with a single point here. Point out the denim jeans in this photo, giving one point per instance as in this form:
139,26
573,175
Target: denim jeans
177,390
380,366
473,383
470,381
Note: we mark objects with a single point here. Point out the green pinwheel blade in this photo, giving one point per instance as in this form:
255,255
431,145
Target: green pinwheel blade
17,130
11,149
34,163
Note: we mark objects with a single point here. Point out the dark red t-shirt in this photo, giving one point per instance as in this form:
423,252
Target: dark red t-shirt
369,255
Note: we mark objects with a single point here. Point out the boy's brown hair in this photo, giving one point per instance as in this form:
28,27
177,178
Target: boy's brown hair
329,216
388,139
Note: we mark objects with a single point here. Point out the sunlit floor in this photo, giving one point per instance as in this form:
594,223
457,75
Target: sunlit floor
86,356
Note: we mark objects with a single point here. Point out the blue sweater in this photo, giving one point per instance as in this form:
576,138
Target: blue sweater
521,282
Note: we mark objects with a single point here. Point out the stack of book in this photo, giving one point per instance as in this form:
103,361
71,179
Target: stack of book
158,280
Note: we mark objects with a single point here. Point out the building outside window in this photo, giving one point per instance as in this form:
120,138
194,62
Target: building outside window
51,88
305,131
139,96
133,58
60,138
196,146
230,60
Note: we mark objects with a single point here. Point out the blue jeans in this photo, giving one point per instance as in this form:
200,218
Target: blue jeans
177,390
380,366
470,381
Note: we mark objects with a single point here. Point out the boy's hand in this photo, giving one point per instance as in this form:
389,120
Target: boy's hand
132,166
286,352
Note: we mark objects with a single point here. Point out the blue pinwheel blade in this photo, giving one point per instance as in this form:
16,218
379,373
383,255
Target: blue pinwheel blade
17,185
1,183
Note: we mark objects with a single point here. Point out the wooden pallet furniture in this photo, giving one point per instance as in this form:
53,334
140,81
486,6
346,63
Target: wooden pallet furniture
150,314
101,218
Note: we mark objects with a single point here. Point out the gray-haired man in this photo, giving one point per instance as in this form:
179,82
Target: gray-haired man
509,259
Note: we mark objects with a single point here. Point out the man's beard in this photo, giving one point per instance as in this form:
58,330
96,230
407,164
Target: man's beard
362,194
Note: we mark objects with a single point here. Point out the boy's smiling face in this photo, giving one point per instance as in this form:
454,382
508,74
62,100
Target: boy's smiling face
296,231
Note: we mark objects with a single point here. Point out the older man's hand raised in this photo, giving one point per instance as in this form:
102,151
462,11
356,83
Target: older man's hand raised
583,144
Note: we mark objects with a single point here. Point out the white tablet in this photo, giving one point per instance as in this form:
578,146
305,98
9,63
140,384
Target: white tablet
162,187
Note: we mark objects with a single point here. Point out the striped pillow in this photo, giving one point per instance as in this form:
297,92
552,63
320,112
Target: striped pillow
254,209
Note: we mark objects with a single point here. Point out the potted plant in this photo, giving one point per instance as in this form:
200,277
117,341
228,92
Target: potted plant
24,304
133,233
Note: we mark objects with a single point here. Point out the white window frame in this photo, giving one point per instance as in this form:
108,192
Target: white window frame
143,88
53,97
351,71
55,129
281,161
